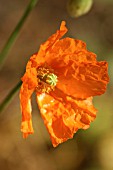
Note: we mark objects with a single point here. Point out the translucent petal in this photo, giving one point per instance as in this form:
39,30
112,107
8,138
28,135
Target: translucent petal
28,86
82,80
46,47
63,119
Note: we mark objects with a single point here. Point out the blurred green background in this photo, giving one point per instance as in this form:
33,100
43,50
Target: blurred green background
88,150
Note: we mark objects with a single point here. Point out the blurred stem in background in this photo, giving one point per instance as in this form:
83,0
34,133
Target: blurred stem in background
13,36
10,96
7,47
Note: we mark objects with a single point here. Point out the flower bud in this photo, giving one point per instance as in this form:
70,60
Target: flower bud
77,8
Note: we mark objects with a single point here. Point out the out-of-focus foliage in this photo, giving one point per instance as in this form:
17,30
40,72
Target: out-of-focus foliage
90,149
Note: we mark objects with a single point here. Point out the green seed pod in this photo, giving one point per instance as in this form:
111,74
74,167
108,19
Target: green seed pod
77,8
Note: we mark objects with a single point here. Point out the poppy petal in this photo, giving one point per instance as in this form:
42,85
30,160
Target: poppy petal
84,106
25,101
63,119
48,45
54,38
82,80
69,48
28,86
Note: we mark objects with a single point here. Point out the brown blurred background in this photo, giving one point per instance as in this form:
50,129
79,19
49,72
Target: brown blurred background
88,150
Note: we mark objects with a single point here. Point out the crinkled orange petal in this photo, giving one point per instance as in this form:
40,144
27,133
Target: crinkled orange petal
69,48
82,79
54,38
63,119
49,44
82,105
28,86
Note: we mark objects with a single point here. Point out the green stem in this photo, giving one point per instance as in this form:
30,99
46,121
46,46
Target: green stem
14,34
10,96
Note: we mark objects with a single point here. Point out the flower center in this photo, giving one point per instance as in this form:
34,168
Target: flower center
50,79
47,80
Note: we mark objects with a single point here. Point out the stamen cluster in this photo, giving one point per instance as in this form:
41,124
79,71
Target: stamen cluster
47,80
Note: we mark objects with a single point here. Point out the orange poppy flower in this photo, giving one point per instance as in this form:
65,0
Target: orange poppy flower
65,77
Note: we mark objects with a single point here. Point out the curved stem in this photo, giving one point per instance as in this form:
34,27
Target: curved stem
15,33
10,96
